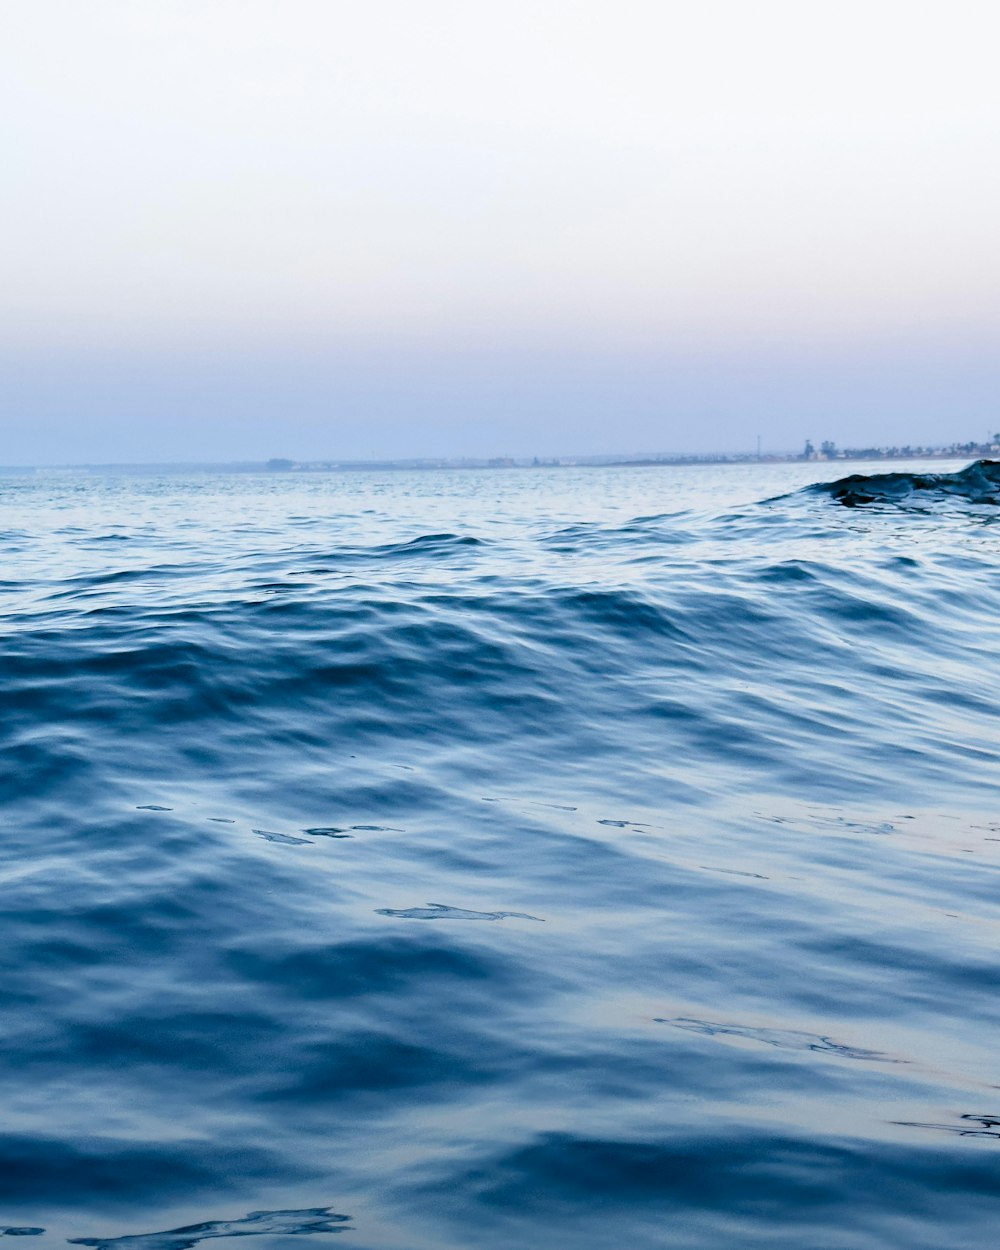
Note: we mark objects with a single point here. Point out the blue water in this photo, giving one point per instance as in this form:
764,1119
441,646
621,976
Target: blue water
576,858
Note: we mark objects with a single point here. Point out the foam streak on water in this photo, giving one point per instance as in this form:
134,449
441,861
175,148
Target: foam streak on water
699,766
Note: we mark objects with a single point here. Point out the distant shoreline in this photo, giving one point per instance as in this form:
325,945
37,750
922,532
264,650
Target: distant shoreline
956,451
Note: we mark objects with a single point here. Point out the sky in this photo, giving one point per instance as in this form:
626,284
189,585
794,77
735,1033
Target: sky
236,229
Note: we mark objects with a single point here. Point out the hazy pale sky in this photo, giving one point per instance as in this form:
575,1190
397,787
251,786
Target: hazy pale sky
243,228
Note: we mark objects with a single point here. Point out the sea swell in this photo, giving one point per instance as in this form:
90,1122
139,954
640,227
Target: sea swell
978,483
714,787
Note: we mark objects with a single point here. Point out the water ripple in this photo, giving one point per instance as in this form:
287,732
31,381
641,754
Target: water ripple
734,743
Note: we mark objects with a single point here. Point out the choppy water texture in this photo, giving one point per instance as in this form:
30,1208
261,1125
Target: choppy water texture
580,858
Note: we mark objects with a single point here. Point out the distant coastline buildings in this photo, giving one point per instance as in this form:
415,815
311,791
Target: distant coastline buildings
828,451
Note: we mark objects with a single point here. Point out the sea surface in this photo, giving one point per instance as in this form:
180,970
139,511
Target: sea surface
591,858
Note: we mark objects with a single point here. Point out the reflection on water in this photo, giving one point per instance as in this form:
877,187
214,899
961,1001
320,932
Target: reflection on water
783,1039
968,1126
257,1223
441,911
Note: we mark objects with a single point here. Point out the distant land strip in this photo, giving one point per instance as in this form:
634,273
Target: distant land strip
827,451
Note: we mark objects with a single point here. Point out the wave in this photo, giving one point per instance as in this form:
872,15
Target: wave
977,483
741,760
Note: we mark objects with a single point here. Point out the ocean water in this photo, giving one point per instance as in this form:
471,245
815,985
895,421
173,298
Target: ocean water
555,858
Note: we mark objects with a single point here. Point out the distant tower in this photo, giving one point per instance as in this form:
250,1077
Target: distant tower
758,446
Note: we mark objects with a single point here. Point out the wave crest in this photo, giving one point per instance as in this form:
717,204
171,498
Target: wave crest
977,483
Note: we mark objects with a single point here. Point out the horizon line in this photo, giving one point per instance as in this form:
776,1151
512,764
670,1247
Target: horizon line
829,453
